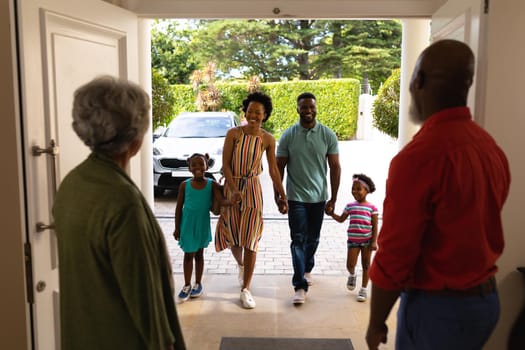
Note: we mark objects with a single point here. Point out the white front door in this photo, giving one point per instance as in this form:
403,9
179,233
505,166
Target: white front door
465,20
64,44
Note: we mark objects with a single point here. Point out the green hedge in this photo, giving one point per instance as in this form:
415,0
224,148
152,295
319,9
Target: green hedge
232,95
184,100
337,102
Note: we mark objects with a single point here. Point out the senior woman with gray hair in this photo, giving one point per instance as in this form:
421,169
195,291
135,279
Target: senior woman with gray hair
116,284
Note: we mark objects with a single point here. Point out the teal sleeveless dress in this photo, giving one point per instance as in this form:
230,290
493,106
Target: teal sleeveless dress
195,227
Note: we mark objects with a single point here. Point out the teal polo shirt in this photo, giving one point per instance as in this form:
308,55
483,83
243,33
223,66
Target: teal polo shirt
306,168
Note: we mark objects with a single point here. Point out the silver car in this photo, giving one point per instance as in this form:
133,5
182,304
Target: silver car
188,133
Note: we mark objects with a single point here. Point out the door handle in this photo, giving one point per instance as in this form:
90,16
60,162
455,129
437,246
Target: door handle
41,227
52,151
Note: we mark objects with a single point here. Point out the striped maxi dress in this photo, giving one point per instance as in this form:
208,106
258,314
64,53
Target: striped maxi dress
242,225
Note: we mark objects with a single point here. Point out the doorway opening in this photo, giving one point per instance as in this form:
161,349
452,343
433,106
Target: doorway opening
310,49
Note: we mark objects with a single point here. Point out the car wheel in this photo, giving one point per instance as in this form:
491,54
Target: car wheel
158,191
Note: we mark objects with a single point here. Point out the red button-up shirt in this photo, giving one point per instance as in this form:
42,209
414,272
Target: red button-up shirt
441,218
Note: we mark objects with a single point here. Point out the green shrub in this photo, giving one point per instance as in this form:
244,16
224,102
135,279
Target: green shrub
385,110
162,100
337,102
184,99
232,95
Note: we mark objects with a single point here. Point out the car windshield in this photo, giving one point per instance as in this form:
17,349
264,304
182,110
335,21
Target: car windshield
199,127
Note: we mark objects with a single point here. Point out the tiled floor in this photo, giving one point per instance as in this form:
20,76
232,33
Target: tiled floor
331,311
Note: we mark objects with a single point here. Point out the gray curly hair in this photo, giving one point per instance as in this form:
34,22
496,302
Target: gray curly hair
109,114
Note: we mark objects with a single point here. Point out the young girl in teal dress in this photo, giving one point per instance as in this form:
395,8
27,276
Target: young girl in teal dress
192,221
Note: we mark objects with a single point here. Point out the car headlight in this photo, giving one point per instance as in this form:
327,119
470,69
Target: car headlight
156,151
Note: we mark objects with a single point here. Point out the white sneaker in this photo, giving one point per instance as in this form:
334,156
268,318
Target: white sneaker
247,299
361,296
308,278
240,276
299,297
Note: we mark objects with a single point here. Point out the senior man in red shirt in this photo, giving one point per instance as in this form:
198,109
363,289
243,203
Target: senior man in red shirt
442,230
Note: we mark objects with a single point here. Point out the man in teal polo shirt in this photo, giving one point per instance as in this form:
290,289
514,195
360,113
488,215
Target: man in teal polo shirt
306,150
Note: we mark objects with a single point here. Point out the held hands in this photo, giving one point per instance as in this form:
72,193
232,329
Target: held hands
282,203
283,206
228,203
329,208
236,197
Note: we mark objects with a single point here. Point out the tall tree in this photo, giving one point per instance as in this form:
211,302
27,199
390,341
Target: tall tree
171,52
245,48
358,47
276,50
302,36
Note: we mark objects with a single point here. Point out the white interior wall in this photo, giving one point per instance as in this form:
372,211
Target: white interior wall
504,119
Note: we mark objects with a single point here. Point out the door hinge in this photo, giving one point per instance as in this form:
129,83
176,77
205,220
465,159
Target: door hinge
486,7
29,273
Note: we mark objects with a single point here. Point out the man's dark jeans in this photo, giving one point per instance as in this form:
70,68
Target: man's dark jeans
427,322
305,221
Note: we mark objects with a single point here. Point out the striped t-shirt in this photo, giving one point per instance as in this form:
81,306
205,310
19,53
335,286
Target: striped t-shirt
360,225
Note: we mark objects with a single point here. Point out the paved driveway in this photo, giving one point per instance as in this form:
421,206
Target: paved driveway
273,257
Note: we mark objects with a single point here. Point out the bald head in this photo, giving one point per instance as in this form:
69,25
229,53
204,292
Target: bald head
442,77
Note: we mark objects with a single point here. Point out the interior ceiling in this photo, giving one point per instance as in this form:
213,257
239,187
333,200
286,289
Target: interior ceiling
213,9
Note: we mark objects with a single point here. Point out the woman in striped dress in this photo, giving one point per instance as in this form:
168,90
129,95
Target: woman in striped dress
240,226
